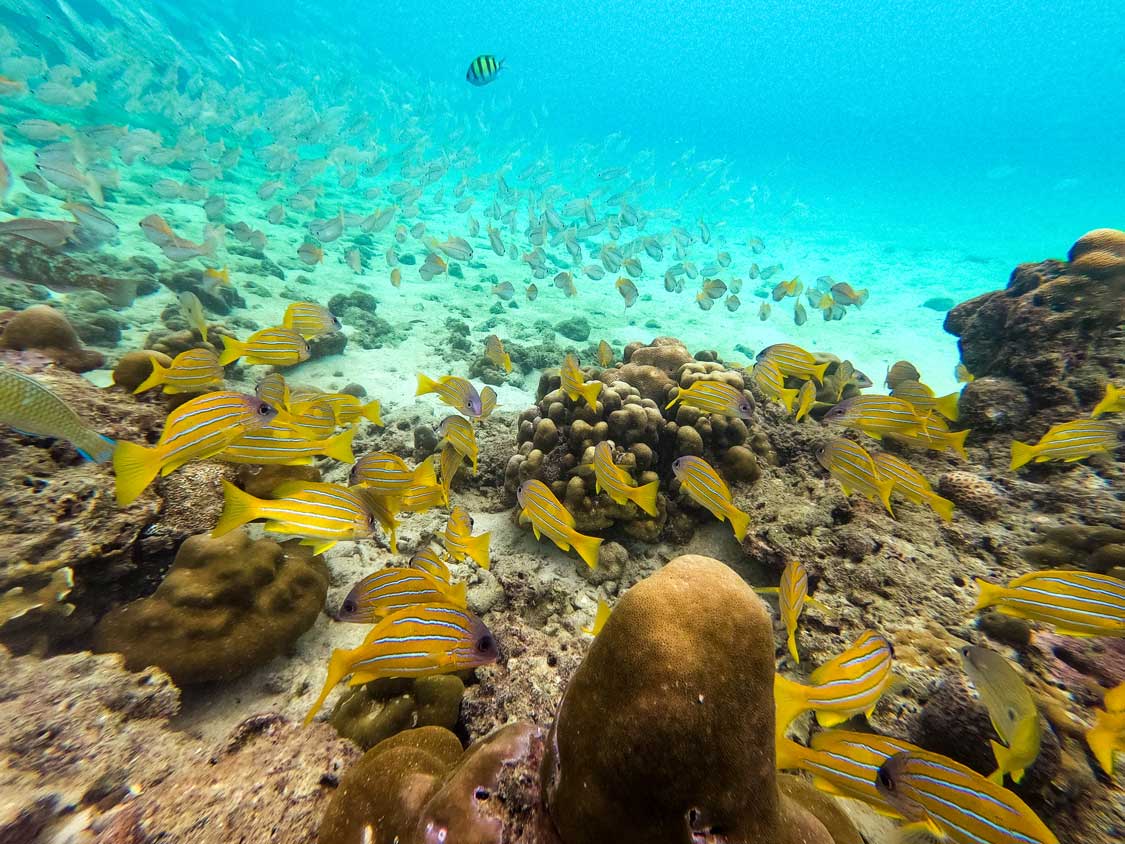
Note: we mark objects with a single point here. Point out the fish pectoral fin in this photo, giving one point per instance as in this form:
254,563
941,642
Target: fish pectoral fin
830,719
535,530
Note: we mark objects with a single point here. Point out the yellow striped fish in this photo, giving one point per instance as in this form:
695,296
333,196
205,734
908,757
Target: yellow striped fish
844,763
197,429
1112,402
273,389
934,434
768,378
793,360
1075,603
272,445
190,372
487,402
574,383
549,518
451,462
345,407
715,397
311,419
494,351
1011,708
268,347
851,465
616,483
388,474
430,560
393,589
310,320
956,803
911,485
875,415
792,595
456,392
421,497
323,514
383,508
1107,736
849,684
605,354
1068,441
806,398
192,310
924,401
414,642
459,539
702,483
458,432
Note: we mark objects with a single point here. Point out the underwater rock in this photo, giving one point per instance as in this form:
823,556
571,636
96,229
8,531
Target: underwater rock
91,315
1054,330
939,303
119,280
261,481
134,367
327,345
1097,548
356,310
575,328
993,405
375,711
634,754
972,493
227,605
271,778
219,299
46,330
73,725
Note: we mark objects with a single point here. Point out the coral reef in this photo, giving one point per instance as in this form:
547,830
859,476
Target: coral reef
972,493
556,437
1056,331
28,263
357,310
1098,548
375,711
635,755
46,330
133,368
226,606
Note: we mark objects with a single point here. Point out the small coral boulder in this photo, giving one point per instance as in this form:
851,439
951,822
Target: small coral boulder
46,330
226,606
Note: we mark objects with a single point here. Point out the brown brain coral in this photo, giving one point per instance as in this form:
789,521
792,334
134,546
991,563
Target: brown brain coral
43,329
971,493
1099,240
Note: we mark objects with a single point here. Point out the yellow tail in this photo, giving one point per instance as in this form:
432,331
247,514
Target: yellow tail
1021,453
789,701
1102,743
792,642
456,593
424,474
1110,400
947,406
942,506
135,467
590,391
339,447
232,350
739,521
789,754
990,594
159,373
787,398
372,412
957,440
1003,756
587,547
885,487
425,385
239,507
339,665
818,372
478,550
645,497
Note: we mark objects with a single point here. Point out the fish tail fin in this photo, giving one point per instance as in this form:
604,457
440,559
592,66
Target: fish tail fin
372,412
886,486
426,384
1021,453
587,548
135,467
232,350
339,447
957,440
155,378
861,297
457,594
740,522
989,595
590,392
818,372
239,507
787,399
791,641
93,446
645,497
424,474
1003,756
789,702
942,506
789,754
1102,743
1111,397
338,666
478,550
947,406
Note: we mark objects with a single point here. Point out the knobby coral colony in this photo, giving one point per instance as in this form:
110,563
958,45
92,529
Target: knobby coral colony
622,444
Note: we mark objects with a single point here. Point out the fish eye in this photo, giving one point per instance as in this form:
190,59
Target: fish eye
348,606
265,409
485,644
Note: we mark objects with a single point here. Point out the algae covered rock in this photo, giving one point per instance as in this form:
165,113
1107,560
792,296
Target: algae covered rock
1097,548
666,732
46,330
375,711
226,606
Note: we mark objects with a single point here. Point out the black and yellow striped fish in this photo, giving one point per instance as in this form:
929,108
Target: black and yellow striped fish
1075,603
393,589
483,69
